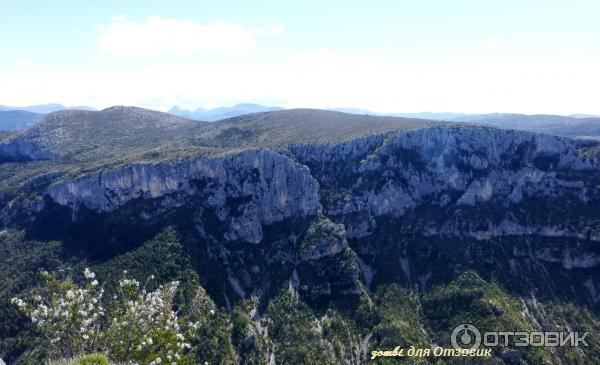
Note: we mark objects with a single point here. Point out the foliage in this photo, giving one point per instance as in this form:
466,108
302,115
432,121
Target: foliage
400,319
162,257
145,328
470,299
321,234
94,359
293,329
249,343
17,333
142,328
210,337
91,359
68,316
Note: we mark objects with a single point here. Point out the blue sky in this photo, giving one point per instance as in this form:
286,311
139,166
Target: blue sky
387,56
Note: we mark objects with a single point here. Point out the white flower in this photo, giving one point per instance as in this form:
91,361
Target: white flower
18,302
88,274
94,283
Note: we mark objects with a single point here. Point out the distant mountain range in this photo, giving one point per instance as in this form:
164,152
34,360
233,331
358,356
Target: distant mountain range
211,115
542,123
422,115
574,126
44,108
14,118
584,116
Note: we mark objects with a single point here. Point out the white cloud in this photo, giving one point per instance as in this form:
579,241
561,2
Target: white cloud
172,36
268,30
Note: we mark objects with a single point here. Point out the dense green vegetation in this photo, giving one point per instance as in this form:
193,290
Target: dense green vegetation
289,329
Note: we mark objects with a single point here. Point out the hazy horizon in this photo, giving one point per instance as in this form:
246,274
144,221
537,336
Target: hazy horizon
385,56
348,109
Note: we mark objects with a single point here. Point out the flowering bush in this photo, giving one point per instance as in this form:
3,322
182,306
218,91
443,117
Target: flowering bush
141,329
67,315
145,329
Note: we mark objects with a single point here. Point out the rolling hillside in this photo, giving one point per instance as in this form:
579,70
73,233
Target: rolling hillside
285,127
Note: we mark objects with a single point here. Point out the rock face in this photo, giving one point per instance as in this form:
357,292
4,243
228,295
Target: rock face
270,185
410,206
452,168
420,204
323,239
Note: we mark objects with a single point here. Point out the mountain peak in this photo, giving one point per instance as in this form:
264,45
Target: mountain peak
44,108
223,112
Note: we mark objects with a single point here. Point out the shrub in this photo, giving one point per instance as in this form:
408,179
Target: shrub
94,359
141,328
67,315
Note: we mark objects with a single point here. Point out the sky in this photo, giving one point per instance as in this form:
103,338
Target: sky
520,56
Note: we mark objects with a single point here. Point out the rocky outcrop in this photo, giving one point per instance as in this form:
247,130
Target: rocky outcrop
264,187
381,175
452,168
323,239
468,178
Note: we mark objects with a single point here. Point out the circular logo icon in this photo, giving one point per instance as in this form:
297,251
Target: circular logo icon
465,337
